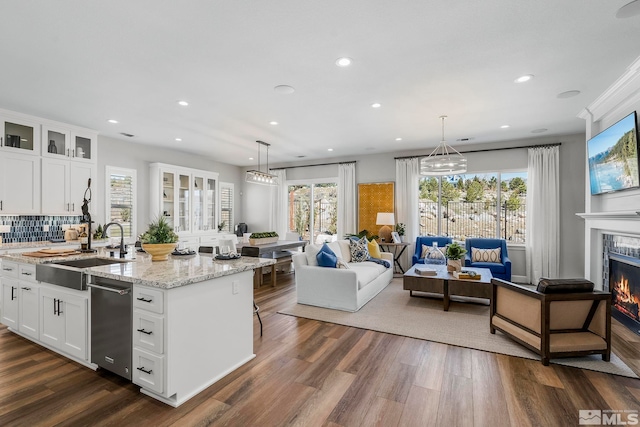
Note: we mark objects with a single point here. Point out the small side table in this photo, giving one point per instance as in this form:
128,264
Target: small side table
397,249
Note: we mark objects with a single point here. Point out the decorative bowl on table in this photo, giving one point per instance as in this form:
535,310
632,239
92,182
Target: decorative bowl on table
159,251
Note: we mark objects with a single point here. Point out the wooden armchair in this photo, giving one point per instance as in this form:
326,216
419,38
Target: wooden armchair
556,323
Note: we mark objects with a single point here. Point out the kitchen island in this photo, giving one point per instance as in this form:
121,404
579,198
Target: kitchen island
192,317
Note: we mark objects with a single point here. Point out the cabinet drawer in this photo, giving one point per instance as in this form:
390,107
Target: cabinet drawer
148,331
27,272
9,269
148,299
148,370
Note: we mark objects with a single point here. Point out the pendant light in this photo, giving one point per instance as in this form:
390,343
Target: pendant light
444,160
259,177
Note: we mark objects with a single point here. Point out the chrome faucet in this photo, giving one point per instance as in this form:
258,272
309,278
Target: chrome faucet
123,251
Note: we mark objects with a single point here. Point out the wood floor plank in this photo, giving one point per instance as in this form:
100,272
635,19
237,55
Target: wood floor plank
317,408
310,373
431,369
420,408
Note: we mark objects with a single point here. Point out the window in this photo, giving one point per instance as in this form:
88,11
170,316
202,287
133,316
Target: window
226,206
313,210
474,205
121,198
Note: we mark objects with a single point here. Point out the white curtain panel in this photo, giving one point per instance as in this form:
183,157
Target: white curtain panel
279,211
543,213
346,199
407,176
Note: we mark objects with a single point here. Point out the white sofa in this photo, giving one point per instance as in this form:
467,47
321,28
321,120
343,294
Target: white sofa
339,288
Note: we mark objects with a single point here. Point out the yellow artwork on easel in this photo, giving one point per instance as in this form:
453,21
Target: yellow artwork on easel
374,198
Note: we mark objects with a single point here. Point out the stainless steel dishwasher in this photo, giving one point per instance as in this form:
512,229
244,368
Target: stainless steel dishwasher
111,323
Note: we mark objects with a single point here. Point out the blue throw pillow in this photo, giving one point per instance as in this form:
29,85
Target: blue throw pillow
326,257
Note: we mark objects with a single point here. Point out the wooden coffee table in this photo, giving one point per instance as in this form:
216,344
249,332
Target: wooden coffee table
444,283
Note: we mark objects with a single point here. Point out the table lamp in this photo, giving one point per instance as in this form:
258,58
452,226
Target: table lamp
385,219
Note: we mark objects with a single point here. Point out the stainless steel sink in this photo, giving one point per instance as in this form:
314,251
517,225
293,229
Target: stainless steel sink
90,262
71,274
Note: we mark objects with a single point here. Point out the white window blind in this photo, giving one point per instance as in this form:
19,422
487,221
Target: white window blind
226,206
121,200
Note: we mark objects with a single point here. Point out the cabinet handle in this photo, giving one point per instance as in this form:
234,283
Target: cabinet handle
144,370
144,300
68,205
0,205
25,288
7,269
59,311
0,141
55,311
145,332
26,273
67,152
12,294
73,153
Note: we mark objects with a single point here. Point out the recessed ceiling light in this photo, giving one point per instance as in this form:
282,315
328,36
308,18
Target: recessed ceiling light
112,121
285,89
183,103
329,149
343,62
179,139
274,123
541,130
629,10
398,139
376,105
569,94
504,126
524,78
250,158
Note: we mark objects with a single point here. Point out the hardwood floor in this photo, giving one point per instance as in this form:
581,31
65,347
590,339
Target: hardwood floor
310,373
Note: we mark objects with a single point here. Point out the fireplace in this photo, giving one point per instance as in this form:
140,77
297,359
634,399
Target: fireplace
624,285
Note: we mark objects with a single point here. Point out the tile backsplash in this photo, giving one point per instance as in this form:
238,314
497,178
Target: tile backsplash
29,228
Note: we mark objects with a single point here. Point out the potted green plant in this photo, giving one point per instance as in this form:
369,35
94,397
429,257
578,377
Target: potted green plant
454,254
159,240
263,237
400,228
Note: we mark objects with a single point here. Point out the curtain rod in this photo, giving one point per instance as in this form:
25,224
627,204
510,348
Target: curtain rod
308,166
489,149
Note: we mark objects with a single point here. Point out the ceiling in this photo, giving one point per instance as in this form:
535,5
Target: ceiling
86,62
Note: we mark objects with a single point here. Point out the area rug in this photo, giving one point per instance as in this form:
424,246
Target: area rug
466,324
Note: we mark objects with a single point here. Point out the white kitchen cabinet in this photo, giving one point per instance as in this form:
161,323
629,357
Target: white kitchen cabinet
63,321
10,307
64,141
19,184
20,133
29,310
64,184
188,198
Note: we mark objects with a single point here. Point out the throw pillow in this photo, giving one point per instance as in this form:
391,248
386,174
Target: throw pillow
359,249
374,249
486,255
311,251
326,257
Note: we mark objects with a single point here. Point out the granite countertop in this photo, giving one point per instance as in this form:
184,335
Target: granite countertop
48,244
175,272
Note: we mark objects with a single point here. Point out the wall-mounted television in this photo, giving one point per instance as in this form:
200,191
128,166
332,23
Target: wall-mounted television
613,157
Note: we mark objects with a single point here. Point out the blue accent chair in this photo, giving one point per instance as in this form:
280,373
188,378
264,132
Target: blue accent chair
500,270
428,241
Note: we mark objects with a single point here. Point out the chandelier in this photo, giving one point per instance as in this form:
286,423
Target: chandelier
259,177
444,160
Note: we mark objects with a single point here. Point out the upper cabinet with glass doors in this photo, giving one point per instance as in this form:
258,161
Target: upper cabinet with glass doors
69,143
185,197
19,134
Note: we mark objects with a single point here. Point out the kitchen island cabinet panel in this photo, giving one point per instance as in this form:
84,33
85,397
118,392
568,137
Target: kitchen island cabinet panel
208,334
63,321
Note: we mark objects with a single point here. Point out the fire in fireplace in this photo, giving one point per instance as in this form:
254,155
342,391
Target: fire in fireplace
624,284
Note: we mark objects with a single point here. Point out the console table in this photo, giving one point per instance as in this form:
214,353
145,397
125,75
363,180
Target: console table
397,249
